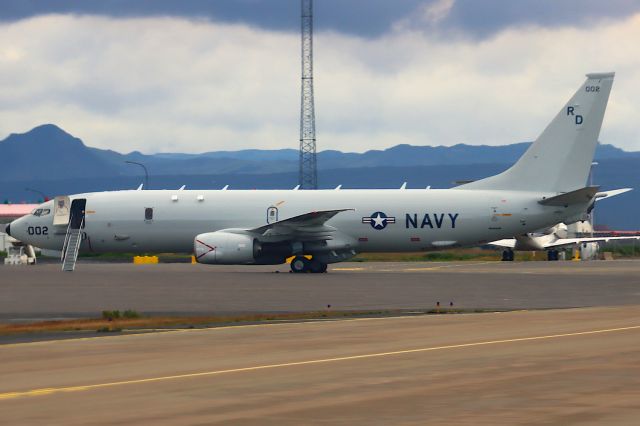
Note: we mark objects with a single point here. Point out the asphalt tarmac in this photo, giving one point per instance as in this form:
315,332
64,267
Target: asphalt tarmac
552,367
44,292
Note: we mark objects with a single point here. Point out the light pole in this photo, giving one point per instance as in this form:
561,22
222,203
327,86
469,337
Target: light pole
593,211
146,174
593,164
42,194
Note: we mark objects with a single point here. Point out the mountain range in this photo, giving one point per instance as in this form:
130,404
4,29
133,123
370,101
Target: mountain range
54,162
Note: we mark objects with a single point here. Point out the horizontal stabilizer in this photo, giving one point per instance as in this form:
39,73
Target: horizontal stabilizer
579,196
606,194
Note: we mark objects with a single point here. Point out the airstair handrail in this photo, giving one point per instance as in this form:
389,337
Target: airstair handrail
66,240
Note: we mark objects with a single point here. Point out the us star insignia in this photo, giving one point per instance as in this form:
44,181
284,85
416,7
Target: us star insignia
379,220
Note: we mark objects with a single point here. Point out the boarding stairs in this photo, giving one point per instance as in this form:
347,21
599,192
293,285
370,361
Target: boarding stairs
72,242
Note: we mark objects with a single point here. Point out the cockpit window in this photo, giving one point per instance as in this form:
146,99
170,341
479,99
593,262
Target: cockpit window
37,212
41,212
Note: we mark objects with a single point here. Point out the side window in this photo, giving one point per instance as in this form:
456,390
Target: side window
148,213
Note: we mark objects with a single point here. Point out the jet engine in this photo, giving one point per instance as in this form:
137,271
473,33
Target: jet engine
561,231
236,247
226,248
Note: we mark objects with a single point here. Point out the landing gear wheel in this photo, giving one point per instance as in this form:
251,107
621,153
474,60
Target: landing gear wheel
317,267
507,256
299,264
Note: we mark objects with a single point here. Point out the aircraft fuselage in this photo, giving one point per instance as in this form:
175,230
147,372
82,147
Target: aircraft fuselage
382,220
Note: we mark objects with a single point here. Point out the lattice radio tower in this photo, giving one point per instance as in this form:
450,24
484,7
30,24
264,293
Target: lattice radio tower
308,178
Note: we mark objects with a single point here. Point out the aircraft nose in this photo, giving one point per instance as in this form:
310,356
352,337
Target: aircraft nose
7,229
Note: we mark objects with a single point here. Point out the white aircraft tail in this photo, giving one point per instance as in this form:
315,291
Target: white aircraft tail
560,159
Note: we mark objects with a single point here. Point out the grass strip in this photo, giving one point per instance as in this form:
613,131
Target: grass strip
147,323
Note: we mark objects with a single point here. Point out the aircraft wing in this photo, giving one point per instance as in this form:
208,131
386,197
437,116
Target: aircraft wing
572,241
506,243
305,227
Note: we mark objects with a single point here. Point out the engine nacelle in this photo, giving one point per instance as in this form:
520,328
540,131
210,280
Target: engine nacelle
561,230
226,248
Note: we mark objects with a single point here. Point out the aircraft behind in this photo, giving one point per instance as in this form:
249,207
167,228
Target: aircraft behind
547,185
556,237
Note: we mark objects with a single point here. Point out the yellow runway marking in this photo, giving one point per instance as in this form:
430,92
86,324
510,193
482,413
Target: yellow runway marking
49,391
433,268
417,269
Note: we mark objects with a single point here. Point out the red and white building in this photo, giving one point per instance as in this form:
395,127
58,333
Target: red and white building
9,212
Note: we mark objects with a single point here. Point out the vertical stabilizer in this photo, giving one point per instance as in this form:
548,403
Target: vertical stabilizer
560,159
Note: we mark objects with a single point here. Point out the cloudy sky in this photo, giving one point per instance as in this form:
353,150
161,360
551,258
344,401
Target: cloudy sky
201,75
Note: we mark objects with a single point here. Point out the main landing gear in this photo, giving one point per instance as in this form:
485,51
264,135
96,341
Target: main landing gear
507,255
301,264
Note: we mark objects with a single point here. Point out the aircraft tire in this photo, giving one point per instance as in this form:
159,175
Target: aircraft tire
507,256
300,264
316,267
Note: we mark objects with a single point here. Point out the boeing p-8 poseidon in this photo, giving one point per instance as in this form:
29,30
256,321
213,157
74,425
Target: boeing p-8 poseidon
547,185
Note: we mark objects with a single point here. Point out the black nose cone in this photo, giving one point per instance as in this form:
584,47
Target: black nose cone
7,230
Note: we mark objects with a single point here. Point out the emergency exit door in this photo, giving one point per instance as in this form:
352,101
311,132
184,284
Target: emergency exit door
272,214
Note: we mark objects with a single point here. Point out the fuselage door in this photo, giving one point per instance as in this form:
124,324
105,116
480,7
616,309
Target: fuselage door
77,213
61,208
272,214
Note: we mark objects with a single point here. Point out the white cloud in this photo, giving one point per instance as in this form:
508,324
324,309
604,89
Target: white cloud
171,84
435,12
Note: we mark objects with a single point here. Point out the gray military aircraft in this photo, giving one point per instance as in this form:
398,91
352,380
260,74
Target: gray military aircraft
547,185
557,237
